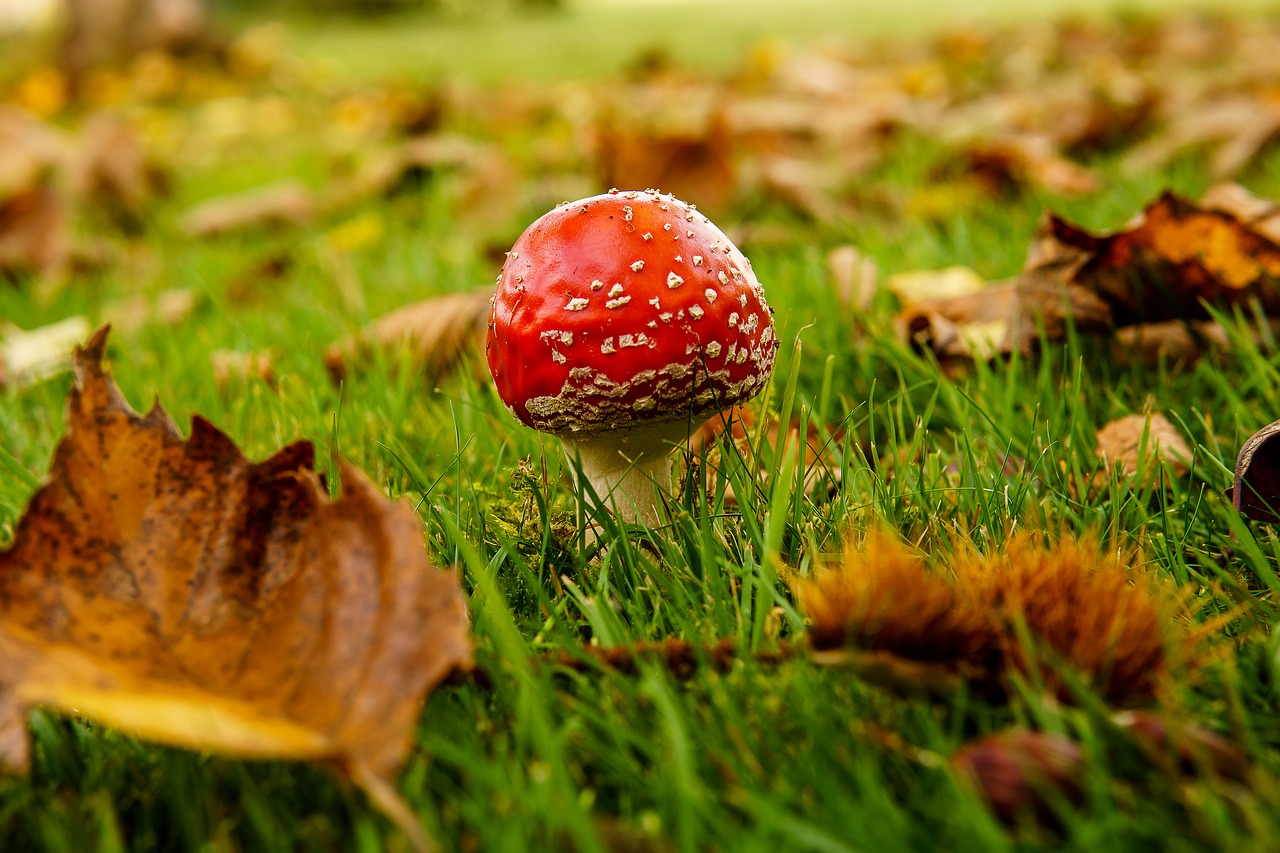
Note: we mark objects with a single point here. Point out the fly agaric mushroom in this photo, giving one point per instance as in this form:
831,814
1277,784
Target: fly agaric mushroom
621,322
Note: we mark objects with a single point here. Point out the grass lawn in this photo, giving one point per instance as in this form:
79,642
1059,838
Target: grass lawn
763,756
594,37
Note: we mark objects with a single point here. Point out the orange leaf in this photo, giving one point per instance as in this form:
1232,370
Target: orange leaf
183,593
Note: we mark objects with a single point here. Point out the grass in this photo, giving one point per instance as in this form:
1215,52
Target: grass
761,757
595,37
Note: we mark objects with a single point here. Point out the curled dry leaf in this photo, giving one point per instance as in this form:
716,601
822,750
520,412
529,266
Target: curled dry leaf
1011,161
34,228
285,203
436,332
231,366
110,169
1260,214
166,308
668,136
1024,775
180,592
1175,341
954,313
1174,257
1255,491
48,179
101,33
388,170
35,232
34,355
1147,284
855,276
1140,443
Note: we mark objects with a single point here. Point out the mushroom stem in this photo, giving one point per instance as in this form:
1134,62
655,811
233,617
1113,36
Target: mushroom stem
629,471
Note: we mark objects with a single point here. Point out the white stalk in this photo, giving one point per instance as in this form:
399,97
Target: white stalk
630,471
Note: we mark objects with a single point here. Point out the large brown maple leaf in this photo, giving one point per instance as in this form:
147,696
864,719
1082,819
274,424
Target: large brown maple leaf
182,593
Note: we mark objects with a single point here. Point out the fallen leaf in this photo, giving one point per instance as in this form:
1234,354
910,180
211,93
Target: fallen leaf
1141,443
436,332
955,314
924,285
166,308
111,171
35,355
676,138
855,276
35,232
1176,256
1012,161
31,149
102,32
1260,214
1175,341
1255,491
229,365
392,168
177,591
284,203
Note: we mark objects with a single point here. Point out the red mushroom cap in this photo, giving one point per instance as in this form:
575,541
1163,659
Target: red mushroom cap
626,308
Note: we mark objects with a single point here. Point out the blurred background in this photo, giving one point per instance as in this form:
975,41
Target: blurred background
333,160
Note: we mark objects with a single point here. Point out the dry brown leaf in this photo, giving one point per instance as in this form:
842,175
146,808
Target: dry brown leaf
1140,443
229,365
166,308
1161,267
955,314
390,169
1260,214
1175,341
31,356
855,276
1010,162
1048,301
675,138
35,232
29,150
285,203
110,170
177,591
1236,127
435,332
101,32
927,285
805,184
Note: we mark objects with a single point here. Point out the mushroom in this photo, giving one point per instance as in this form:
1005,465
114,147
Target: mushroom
621,322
